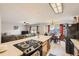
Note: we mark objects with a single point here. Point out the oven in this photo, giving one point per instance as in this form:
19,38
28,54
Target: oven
36,52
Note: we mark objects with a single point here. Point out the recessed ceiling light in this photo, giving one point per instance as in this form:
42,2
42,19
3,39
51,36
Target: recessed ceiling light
57,7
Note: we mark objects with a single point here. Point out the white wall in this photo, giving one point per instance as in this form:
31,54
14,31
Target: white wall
27,27
9,28
42,28
33,29
0,29
46,28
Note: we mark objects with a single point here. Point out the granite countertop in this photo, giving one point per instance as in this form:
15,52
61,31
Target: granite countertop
76,43
13,51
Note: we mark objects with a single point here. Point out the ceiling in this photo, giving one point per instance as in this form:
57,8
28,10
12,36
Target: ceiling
37,13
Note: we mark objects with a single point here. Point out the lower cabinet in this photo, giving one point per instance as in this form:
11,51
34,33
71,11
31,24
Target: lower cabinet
45,48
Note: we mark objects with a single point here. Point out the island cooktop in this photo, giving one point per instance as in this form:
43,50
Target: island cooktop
28,46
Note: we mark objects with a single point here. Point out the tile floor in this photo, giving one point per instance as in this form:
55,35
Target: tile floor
57,49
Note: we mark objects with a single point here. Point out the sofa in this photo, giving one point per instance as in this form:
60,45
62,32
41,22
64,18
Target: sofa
11,38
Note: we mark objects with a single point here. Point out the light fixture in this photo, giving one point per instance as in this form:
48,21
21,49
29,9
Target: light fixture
57,7
70,25
26,23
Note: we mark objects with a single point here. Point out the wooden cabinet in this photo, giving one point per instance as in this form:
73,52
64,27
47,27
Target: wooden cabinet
74,31
45,48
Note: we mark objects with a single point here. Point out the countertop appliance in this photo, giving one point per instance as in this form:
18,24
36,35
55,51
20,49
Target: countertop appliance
30,47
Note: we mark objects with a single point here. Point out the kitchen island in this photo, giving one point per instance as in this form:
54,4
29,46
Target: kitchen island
13,51
76,44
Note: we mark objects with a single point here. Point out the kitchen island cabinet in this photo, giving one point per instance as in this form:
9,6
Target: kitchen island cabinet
45,44
45,47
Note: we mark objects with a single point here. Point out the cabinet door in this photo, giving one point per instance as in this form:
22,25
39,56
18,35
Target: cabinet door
44,48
